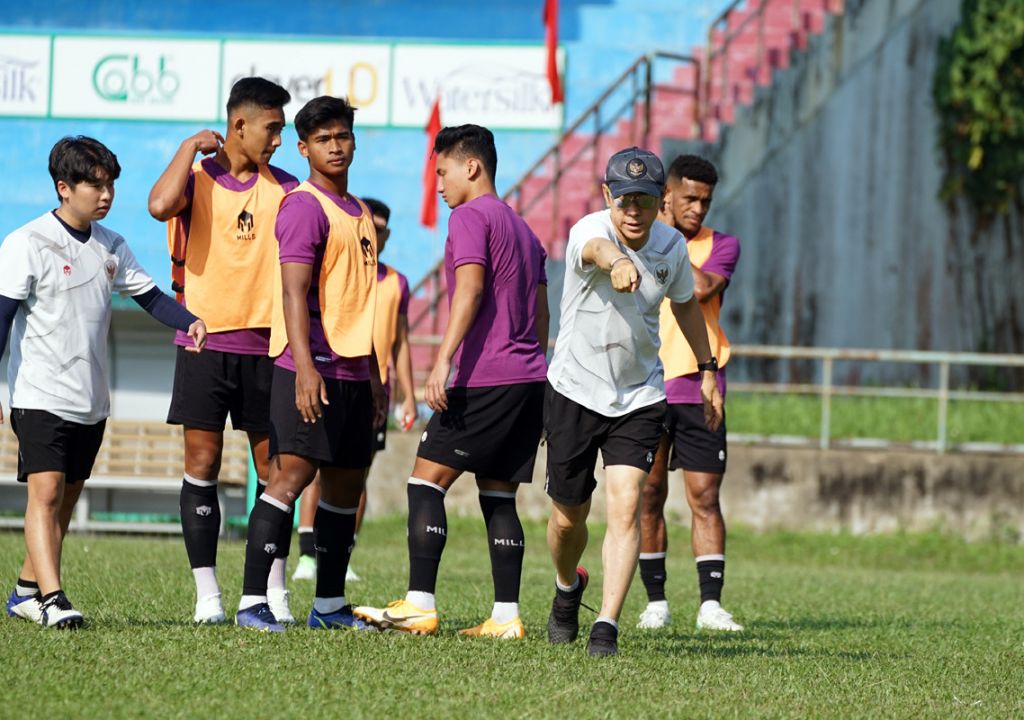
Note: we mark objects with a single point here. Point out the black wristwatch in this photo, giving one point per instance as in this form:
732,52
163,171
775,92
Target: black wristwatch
711,365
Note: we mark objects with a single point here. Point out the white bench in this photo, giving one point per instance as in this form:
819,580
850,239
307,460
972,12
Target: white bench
136,457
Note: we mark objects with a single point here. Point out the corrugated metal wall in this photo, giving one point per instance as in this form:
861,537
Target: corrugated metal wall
831,181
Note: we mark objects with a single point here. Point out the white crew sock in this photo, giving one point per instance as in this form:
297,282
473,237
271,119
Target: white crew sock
206,582
275,581
248,601
504,612
422,600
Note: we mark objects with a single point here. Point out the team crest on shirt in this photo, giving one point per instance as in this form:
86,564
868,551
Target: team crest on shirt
246,225
67,271
661,273
367,247
636,168
111,267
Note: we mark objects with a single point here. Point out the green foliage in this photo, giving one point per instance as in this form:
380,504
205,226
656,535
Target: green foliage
907,626
978,90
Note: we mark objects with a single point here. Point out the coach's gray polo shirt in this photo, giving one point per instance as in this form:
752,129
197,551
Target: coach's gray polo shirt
606,355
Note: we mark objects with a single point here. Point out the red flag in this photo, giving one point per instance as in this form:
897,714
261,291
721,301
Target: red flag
428,208
551,41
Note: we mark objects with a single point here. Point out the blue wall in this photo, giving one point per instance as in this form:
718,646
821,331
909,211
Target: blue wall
601,38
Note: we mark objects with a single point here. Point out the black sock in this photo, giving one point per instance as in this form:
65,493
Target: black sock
306,545
711,574
652,572
200,523
261,485
284,540
507,545
265,522
333,532
428,531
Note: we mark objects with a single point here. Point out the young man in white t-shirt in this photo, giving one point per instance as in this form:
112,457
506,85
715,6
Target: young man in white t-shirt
606,389
59,273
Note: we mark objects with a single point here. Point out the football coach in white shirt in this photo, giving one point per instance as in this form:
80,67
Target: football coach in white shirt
606,388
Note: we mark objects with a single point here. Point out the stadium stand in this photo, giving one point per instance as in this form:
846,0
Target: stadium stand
746,43
137,458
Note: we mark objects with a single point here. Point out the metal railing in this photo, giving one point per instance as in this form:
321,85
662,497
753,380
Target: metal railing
826,389
635,85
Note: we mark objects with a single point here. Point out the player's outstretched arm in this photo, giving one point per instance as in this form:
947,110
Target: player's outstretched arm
167,311
167,198
610,259
310,391
469,288
691,322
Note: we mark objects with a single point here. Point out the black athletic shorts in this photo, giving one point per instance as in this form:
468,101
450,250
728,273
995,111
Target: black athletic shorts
694,447
341,438
210,385
47,443
490,431
575,434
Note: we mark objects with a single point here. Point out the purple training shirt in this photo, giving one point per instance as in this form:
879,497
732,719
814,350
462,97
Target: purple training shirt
725,253
249,341
501,346
302,229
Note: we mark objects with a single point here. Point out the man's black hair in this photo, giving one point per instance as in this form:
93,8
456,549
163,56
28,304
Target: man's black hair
469,141
693,167
259,92
80,159
379,209
322,111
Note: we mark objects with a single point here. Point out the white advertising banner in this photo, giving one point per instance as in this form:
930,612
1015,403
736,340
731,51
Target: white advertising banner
24,74
307,70
135,78
391,84
495,86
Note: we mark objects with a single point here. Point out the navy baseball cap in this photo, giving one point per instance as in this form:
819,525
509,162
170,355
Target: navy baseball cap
635,170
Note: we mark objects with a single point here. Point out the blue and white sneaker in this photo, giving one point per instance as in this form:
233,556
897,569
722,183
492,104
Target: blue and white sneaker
57,612
26,607
258,617
339,619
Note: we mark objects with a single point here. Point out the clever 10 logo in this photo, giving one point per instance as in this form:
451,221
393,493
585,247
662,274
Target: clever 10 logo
130,78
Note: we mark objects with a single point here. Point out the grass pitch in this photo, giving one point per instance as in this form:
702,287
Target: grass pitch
896,626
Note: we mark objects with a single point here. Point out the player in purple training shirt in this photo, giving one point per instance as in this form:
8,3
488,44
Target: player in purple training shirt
391,346
698,451
488,418
326,394
220,215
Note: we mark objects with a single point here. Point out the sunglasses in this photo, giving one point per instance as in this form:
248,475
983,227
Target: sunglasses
642,200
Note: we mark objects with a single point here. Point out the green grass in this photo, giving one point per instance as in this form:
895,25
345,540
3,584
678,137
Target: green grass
892,626
895,419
